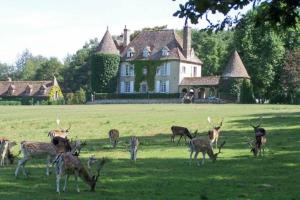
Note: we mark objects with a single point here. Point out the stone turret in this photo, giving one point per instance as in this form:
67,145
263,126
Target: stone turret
107,45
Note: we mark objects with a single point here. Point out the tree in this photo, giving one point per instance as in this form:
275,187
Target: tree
48,69
280,13
31,67
246,95
291,73
5,71
213,49
262,51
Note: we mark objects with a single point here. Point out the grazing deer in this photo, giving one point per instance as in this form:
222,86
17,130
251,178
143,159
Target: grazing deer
63,133
5,152
67,164
214,134
257,145
204,146
182,132
134,143
31,149
113,135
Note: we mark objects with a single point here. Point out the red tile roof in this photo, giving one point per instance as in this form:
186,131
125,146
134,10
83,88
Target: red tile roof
201,81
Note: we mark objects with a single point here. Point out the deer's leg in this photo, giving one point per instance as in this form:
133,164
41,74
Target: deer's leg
76,180
195,157
185,139
21,164
58,177
135,154
216,143
203,158
66,180
179,139
191,155
48,164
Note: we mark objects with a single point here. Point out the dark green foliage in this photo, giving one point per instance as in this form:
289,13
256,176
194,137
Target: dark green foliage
105,69
78,97
247,92
277,13
48,69
230,88
213,49
151,66
136,96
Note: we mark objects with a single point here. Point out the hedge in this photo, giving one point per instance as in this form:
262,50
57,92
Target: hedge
136,96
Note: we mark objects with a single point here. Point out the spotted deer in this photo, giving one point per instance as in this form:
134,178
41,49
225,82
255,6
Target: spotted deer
67,164
203,145
257,145
5,151
214,134
134,143
31,149
182,132
113,135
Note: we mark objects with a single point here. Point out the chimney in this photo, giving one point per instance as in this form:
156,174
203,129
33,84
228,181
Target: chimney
187,39
126,36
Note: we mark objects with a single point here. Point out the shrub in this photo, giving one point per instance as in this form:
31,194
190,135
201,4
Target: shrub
78,97
247,92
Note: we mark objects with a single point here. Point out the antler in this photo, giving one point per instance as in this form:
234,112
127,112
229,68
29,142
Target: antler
69,127
99,167
221,121
220,147
210,121
258,125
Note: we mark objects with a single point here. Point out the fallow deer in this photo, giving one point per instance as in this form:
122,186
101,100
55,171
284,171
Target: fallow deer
67,164
257,145
134,143
5,152
63,133
182,132
214,134
113,135
30,149
203,145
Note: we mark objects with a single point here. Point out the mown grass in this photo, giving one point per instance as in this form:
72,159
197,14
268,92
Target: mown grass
162,170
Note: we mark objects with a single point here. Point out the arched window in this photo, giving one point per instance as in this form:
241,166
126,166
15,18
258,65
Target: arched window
28,89
11,89
43,89
165,51
146,52
130,52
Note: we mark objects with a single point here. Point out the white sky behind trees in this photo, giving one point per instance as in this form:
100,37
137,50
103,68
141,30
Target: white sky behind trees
60,27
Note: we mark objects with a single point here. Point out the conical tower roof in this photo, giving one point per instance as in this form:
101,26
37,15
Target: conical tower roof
107,45
235,67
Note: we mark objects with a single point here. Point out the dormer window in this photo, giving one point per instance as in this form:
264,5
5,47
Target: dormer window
28,89
11,89
130,52
146,52
43,90
165,51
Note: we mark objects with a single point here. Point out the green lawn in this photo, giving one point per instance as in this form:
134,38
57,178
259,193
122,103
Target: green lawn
162,170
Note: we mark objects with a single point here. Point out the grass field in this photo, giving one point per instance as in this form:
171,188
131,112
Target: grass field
162,170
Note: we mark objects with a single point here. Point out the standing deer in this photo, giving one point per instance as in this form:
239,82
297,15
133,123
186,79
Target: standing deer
5,152
67,164
182,132
257,145
214,134
204,146
113,135
134,143
31,150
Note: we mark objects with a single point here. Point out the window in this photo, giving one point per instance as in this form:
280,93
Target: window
129,70
163,70
183,69
165,51
158,71
127,86
195,71
163,86
28,89
146,52
145,71
130,52
144,88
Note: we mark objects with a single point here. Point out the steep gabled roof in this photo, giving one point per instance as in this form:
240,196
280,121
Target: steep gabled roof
235,67
157,40
20,88
201,81
107,45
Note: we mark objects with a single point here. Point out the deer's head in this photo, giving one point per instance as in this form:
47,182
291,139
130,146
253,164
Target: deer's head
215,156
257,125
215,126
100,164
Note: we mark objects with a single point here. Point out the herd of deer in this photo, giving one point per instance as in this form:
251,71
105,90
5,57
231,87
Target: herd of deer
64,154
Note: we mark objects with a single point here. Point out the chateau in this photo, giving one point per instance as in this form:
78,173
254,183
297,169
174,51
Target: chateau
176,67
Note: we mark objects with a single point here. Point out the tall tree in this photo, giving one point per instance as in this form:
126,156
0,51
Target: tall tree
6,71
277,13
48,69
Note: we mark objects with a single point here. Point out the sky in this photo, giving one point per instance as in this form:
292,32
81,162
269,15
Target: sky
56,28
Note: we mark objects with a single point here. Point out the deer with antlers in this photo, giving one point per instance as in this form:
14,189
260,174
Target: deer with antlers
214,134
204,146
67,164
113,135
63,133
182,132
257,145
